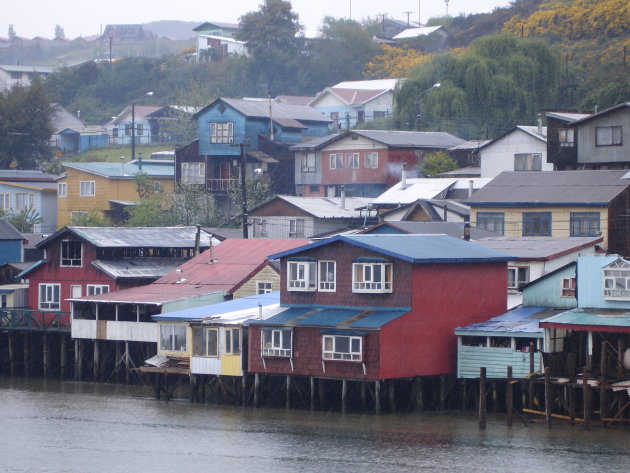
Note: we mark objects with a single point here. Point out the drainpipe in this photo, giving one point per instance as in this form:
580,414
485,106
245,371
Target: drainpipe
470,188
343,197
540,124
197,239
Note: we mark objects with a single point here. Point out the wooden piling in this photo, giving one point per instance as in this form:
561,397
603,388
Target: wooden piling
11,354
96,359
118,360
442,392
287,398
530,384
548,396
417,389
377,397
45,355
509,397
127,362
586,395
26,353
602,383
63,355
312,392
344,394
256,389
363,394
244,390
392,394
482,399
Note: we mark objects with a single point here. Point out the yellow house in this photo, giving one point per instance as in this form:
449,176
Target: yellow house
106,187
556,204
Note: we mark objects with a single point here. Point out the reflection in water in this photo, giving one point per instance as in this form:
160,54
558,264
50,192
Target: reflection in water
54,426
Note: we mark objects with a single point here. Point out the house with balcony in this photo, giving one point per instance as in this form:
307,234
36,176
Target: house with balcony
556,204
370,308
365,162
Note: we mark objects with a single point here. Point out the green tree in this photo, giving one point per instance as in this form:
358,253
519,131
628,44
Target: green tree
24,220
59,33
437,163
25,127
11,32
92,218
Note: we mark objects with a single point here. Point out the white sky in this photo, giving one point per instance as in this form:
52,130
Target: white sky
86,18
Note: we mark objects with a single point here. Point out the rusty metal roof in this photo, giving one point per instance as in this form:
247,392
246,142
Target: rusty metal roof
147,268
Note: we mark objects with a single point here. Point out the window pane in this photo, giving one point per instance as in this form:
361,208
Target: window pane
213,342
342,344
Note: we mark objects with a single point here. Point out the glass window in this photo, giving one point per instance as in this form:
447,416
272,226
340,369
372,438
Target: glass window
139,129
584,223
62,189
49,296
518,277
352,160
276,342
233,341
341,347
302,276
87,188
308,162
537,224
260,227
491,221
193,173
5,201
568,287
264,287
24,200
173,337
205,341
566,137
296,228
608,136
95,289
222,132
327,276
70,253
371,160
372,277
336,161
528,162
617,280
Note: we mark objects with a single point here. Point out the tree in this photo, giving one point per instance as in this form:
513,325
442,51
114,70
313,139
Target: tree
394,62
437,163
11,32
25,127
92,218
59,33
24,220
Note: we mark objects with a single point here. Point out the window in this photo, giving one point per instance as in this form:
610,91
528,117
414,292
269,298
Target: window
5,201
16,75
157,187
491,221
379,114
139,129
302,276
566,137
608,136
568,287
537,224
62,189
260,227
173,337
205,341
221,132
353,160
264,287
308,162
334,116
233,341
371,160
371,277
327,276
518,277
76,291
49,296
70,253
360,116
276,342
24,200
193,173
336,161
96,289
87,188
341,347
584,224
128,129
617,280
114,132
528,162
296,228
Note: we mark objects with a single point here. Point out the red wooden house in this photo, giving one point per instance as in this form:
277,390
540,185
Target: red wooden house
88,261
375,307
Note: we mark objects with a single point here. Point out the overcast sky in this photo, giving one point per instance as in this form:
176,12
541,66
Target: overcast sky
86,18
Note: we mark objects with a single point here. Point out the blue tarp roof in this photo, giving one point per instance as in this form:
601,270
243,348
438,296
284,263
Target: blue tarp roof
197,313
521,320
339,317
414,248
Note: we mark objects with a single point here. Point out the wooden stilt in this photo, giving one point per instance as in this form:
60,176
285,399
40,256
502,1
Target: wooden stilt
548,396
63,355
96,359
244,389
572,404
391,384
127,362
256,389
344,393
417,390
602,382
287,397
586,397
77,354
377,397
11,354
46,354
312,392
442,392
482,399
118,359
530,384
509,397
363,394
26,353
320,392
193,388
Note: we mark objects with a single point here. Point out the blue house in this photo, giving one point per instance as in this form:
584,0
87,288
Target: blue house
40,196
78,140
258,130
11,243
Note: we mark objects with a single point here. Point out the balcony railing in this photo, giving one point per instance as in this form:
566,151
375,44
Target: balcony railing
221,185
37,320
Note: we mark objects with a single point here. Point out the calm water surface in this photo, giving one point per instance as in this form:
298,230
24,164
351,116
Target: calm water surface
59,426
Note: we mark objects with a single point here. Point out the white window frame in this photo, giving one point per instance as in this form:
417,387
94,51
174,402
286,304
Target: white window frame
332,351
327,276
173,337
96,289
608,136
78,213
567,287
616,280
70,260
517,271
232,348
371,160
206,348
566,137
5,201
301,276
221,132
76,290
62,189
276,342
50,298
87,188
24,200
367,282
193,173
335,160
352,160
260,227
528,162
264,287
296,228
308,163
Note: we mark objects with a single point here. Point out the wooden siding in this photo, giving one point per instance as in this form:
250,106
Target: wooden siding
495,360
231,365
115,331
250,288
205,365
547,292
591,154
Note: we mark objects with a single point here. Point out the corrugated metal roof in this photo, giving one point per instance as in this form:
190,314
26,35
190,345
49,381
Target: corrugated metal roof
373,84
328,207
127,170
416,32
414,248
134,237
149,268
521,320
454,229
260,109
409,139
592,318
559,187
426,188
154,294
567,116
9,232
538,248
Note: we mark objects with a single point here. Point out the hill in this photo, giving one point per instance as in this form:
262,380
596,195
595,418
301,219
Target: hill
181,30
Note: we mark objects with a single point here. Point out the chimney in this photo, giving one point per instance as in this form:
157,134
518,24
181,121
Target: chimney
467,230
260,311
179,275
403,177
540,124
445,218
471,188
139,161
343,197
197,239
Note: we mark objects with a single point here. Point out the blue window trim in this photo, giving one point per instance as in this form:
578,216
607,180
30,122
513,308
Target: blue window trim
536,219
491,217
580,217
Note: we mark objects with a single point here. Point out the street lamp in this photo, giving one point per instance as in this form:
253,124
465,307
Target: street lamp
133,124
437,85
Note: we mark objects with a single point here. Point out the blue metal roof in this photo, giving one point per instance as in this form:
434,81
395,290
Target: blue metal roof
128,170
338,317
521,320
202,312
605,318
414,248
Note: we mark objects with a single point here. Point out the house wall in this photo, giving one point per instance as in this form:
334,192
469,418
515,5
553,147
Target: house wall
499,156
304,178
595,157
250,288
590,277
191,302
564,157
495,360
44,203
10,251
547,292
445,296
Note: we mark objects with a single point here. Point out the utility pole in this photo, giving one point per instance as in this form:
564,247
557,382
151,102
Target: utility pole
243,190
133,124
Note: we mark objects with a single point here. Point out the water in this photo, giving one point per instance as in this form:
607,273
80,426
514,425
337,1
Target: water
56,426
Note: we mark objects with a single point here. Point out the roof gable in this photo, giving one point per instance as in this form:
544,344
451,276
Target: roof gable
260,109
